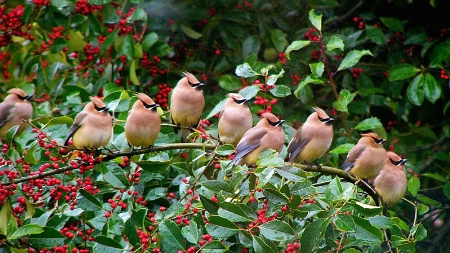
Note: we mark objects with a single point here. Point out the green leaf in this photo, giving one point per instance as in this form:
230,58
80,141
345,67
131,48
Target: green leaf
230,83
221,227
369,124
335,43
171,237
209,205
414,185
279,39
352,58
61,3
47,239
272,79
379,221
138,14
217,186
345,97
217,109
402,71
421,233
307,80
281,91
133,77
447,189
251,46
233,212
316,20
128,47
345,223
317,68
245,70
432,88
296,45
366,209
225,150
277,230
365,233
114,175
415,91
249,91
376,35
191,232
275,197
303,188
5,214
312,234
190,32
428,201
88,202
157,193
262,246
342,149
109,41
393,24
149,40
104,244
28,229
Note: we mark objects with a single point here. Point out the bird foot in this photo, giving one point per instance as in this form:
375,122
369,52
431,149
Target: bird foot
318,166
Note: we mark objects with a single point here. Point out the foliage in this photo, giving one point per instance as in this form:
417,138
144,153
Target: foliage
372,69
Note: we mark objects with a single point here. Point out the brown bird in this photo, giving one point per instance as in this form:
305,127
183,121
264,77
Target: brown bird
13,110
391,182
143,123
367,157
234,120
92,127
186,104
313,139
268,133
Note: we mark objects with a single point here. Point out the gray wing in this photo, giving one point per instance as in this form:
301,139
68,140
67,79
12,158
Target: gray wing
354,153
249,142
75,126
296,145
5,110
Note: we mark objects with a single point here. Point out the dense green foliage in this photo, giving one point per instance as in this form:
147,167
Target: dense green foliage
374,67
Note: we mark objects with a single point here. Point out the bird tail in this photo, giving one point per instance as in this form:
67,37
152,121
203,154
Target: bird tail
184,134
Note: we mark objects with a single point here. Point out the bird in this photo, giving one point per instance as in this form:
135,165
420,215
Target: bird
313,139
13,110
186,104
268,133
234,119
92,127
367,157
391,182
143,122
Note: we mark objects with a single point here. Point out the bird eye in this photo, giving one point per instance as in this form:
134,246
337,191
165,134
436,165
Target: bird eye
22,97
240,101
195,85
101,109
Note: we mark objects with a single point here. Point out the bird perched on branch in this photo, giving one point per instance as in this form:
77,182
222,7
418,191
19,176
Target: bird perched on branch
234,120
186,104
268,133
391,182
92,127
367,157
143,122
313,139
14,110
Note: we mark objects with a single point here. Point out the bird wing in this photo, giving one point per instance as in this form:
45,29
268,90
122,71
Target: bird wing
354,154
5,110
75,126
297,144
250,141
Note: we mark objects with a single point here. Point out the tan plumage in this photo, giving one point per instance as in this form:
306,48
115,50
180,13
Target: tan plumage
186,104
367,157
268,133
13,110
391,182
92,127
235,119
143,122
313,139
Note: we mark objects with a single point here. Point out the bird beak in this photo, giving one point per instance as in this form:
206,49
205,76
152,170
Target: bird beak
29,97
330,121
403,161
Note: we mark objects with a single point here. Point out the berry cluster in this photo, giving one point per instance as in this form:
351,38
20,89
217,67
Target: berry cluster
391,123
84,7
152,65
11,25
292,247
163,95
295,79
265,102
444,75
282,57
315,55
359,22
311,35
246,5
356,72
41,2
5,61
123,26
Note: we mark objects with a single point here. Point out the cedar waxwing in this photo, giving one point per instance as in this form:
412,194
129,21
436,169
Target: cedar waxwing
391,182
143,123
367,157
313,139
268,133
14,110
186,104
92,127
234,120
